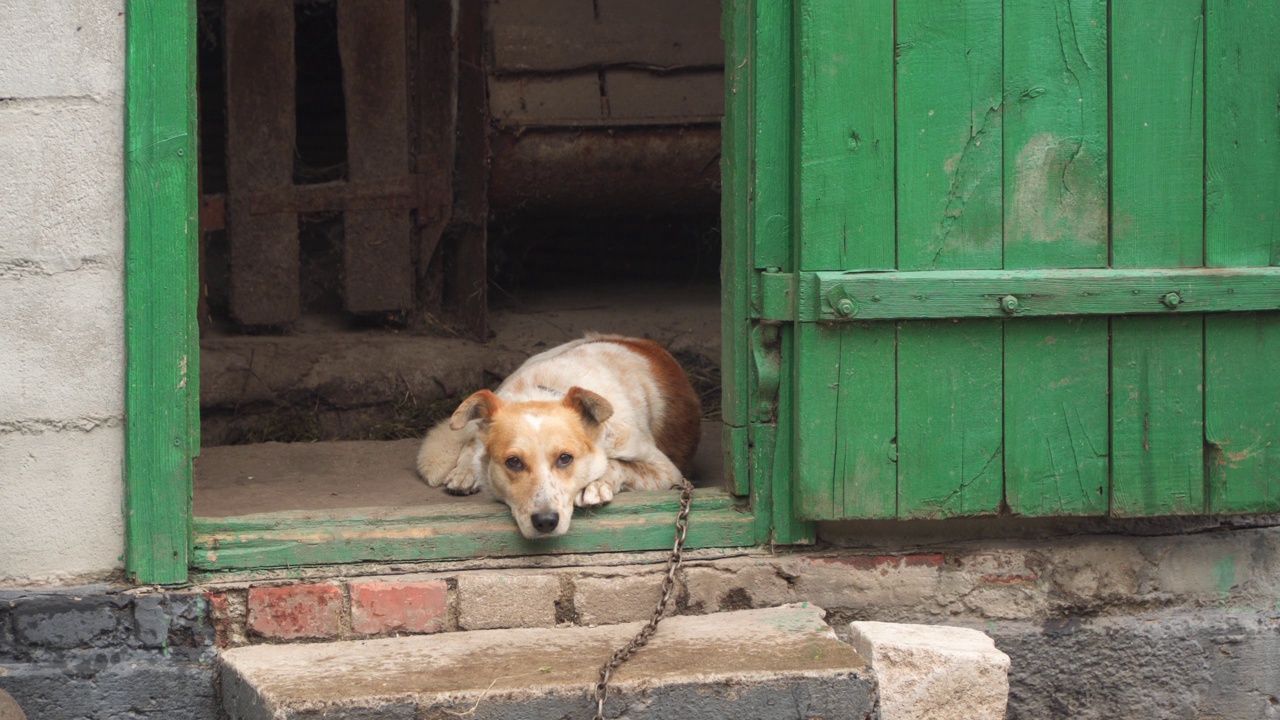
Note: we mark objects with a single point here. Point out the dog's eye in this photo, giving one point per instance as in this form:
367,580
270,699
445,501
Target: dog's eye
514,463
565,460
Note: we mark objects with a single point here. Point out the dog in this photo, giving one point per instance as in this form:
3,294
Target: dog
572,426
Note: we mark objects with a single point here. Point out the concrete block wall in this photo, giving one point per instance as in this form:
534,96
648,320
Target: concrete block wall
61,289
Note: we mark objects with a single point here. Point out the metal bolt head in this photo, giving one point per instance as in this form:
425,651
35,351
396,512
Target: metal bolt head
846,308
1171,300
1009,304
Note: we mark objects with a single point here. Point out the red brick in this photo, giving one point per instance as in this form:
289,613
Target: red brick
412,607
295,611
220,615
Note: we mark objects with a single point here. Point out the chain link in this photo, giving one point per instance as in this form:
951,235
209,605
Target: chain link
642,638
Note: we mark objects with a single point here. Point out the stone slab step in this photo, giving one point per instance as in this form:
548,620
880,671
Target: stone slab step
782,662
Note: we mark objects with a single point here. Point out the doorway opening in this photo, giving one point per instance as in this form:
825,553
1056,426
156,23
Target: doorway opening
401,200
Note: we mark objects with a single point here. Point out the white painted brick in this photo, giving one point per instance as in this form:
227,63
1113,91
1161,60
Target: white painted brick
59,48
934,672
61,347
62,190
509,600
60,504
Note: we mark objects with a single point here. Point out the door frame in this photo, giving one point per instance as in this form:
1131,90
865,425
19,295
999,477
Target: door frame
164,544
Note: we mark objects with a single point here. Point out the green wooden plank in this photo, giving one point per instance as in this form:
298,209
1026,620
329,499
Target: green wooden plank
1242,413
1157,416
1055,186
634,521
771,135
845,192
1055,133
1242,227
950,455
1242,216
845,171
949,134
735,273
1157,118
1056,441
160,302
1039,293
844,445
1157,145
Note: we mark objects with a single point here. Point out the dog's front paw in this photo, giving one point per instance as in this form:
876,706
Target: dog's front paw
462,481
596,494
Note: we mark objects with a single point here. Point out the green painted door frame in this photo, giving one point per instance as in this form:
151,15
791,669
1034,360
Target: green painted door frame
162,397
164,544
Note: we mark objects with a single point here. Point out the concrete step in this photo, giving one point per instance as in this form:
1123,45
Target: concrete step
782,662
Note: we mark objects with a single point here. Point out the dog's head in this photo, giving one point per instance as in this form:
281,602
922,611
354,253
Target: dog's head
541,454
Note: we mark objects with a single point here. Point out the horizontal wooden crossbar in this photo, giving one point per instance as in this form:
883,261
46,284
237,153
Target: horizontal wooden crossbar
862,296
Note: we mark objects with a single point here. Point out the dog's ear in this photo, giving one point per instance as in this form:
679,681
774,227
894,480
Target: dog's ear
593,408
481,405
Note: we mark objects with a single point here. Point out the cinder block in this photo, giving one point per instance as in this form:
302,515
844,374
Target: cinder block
295,611
507,601
409,607
61,493
62,622
62,350
618,599
61,48
738,585
866,581
62,192
933,672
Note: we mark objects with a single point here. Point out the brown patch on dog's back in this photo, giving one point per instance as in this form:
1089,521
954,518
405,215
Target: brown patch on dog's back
677,434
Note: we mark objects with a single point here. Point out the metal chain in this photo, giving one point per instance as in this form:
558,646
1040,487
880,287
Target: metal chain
641,639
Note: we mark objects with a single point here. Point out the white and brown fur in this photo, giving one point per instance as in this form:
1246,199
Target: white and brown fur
621,409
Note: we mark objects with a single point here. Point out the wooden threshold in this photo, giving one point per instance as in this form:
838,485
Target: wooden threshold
632,522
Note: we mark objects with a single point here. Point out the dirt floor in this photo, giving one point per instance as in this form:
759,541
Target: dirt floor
330,416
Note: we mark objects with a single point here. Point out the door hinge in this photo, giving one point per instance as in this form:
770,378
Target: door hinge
775,296
766,369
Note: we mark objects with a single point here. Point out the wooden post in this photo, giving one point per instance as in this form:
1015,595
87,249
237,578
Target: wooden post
471,198
377,260
435,82
261,74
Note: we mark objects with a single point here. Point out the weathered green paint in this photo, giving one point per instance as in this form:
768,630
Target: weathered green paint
950,436
160,288
844,411
1242,412
1055,134
847,467
1157,143
735,325
1157,416
1055,216
1242,227
773,98
1056,439
1060,172
942,294
949,115
1157,198
633,521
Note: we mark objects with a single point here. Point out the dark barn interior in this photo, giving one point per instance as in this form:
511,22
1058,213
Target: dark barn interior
402,199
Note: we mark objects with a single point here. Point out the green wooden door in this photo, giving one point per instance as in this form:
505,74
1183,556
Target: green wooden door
1030,257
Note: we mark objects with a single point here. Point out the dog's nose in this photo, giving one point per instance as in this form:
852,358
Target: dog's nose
545,522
